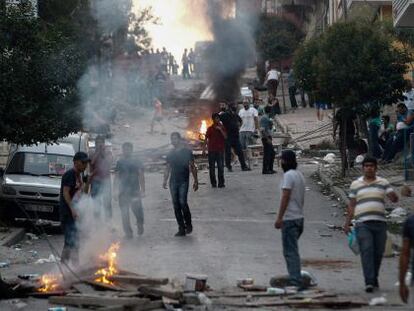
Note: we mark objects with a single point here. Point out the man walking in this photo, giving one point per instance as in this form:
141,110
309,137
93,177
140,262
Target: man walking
290,216
130,182
250,125
231,122
100,179
180,161
405,256
186,63
272,80
215,140
367,199
266,126
292,89
70,193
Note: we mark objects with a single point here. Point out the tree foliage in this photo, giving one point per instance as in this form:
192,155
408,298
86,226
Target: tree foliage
277,38
42,59
352,64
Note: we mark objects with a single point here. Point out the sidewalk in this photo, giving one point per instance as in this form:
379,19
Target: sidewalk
305,129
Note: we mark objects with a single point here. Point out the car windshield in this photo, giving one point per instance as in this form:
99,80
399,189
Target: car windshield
39,164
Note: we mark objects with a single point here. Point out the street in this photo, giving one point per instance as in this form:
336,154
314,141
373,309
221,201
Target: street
233,238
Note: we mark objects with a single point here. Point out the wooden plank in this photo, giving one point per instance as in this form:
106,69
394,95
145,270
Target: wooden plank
84,288
152,305
162,291
94,300
105,286
138,280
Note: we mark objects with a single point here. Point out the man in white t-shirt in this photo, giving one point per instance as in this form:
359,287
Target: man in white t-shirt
250,124
290,215
409,96
272,81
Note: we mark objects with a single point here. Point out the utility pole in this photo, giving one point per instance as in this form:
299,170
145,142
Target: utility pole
345,4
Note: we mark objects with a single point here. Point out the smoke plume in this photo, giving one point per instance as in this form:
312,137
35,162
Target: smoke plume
232,50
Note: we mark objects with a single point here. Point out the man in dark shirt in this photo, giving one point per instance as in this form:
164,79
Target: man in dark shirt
266,125
232,122
405,256
70,192
179,163
215,140
130,182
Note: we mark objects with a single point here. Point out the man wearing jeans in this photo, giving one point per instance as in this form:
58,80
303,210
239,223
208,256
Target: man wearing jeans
290,216
131,189
179,163
367,206
71,190
215,140
250,125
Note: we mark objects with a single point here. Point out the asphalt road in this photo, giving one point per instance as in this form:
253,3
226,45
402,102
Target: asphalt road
233,238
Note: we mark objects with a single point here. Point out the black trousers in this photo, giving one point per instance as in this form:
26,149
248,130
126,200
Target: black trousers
292,97
268,155
213,158
234,142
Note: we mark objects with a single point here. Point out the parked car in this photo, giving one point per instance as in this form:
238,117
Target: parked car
30,184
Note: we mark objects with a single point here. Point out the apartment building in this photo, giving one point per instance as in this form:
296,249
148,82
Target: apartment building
403,13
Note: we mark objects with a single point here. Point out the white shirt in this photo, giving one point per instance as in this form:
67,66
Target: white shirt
294,181
247,117
273,74
409,99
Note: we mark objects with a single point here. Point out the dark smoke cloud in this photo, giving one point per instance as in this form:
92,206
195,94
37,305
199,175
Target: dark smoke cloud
232,50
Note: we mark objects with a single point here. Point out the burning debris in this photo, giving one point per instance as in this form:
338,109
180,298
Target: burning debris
49,283
110,257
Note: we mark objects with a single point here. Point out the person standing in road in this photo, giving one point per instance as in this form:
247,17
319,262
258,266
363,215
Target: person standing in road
292,89
180,161
290,217
70,193
250,125
215,140
405,256
100,179
367,206
191,61
186,63
130,182
266,126
272,80
158,116
231,122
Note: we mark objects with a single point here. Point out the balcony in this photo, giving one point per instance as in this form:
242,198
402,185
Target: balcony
352,3
403,13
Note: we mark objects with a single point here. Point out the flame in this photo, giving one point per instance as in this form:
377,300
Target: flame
110,257
203,127
49,283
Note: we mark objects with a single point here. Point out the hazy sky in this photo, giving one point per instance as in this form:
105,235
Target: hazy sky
182,23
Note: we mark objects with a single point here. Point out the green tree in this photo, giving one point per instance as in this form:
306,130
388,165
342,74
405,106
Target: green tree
276,39
42,60
39,70
352,65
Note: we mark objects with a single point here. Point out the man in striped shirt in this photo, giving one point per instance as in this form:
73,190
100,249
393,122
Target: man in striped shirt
367,207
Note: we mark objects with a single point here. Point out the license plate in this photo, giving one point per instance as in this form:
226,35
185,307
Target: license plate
39,208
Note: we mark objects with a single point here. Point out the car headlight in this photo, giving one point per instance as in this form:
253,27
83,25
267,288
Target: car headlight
8,190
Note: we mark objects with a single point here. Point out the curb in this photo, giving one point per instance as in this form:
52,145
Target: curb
14,237
335,189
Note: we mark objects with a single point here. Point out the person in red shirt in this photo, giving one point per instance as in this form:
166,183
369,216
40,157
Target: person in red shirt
215,141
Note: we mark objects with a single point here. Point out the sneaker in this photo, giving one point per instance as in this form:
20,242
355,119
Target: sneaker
189,229
214,185
222,186
245,169
229,169
180,233
140,230
369,288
